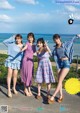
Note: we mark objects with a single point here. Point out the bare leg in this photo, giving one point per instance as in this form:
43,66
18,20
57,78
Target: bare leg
60,92
9,76
30,92
63,74
26,91
15,72
39,89
48,89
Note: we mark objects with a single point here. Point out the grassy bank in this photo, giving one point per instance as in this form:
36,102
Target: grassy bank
3,71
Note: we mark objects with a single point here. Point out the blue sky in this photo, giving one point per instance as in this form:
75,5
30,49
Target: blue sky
39,16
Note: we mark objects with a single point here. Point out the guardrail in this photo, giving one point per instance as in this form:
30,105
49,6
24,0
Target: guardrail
77,63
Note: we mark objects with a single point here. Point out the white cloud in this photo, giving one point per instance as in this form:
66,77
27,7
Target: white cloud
38,23
39,19
5,18
73,11
4,4
76,16
71,8
33,2
39,16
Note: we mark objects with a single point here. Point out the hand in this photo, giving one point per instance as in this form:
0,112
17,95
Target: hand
46,43
78,35
13,36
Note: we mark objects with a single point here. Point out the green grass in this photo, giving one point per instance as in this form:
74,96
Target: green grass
3,71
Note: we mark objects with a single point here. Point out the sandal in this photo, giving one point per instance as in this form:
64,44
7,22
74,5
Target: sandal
27,94
39,97
9,95
30,93
60,100
50,101
15,91
48,96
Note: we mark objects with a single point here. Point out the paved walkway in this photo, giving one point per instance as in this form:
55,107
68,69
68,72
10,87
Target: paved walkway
22,104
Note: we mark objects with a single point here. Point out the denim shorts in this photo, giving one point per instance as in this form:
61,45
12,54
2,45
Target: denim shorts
63,64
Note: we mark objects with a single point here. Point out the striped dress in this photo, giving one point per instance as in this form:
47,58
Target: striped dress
44,71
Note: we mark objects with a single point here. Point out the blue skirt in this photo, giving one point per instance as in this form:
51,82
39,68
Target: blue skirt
13,64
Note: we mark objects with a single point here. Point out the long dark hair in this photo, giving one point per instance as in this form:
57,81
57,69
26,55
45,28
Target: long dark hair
31,34
56,36
18,35
41,40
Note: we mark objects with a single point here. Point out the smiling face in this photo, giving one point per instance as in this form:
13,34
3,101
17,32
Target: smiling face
18,40
40,44
30,39
57,41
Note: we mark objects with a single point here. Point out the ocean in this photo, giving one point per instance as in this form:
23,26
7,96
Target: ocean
47,37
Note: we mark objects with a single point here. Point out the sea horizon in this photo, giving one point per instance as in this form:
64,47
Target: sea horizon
47,37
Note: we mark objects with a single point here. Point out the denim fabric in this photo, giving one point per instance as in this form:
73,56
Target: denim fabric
68,49
64,64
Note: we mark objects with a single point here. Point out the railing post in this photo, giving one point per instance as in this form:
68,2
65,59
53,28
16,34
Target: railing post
77,64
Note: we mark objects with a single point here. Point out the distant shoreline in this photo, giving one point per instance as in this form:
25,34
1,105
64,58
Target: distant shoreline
3,51
3,48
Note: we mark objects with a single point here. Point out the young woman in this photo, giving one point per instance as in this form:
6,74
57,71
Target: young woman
13,62
44,71
27,64
63,53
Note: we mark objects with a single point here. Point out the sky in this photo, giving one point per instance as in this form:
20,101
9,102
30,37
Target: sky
39,16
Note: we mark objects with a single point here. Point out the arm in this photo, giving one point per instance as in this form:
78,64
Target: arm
55,58
9,41
75,37
34,50
56,61
69,47
70,43
47,48
36,53
24,48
